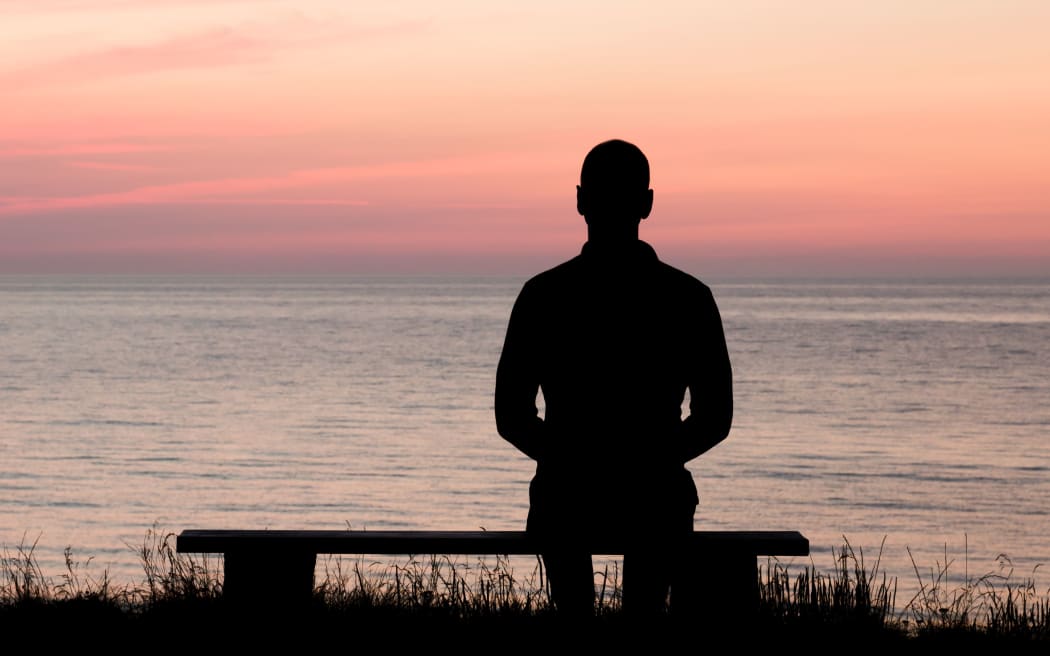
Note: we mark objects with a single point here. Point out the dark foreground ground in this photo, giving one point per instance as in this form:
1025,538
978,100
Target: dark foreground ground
430,605
209,627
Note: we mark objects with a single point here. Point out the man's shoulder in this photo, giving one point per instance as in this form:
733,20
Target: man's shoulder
682,280
546,287
556,275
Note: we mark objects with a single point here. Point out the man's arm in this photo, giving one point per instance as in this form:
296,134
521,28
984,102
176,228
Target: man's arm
517,383
710,387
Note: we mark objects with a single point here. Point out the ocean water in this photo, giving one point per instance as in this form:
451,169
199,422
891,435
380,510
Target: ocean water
906,419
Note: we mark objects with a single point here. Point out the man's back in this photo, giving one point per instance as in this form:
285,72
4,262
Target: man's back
614,339
613,346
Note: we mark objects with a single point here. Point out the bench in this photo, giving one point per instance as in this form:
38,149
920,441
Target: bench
277,566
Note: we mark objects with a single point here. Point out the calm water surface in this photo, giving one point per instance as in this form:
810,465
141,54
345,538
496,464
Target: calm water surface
909,419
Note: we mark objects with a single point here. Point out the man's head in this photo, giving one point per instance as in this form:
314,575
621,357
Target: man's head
614,194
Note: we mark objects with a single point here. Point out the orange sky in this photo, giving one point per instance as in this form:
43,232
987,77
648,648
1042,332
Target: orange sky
820,137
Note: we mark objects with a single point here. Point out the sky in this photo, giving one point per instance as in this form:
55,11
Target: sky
825,137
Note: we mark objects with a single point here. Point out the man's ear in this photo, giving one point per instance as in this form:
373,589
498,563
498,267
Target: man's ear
580,205
647,204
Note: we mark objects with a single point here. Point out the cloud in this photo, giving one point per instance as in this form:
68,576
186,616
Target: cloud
218,191
215,47
111,166
60,6
81,148
259,189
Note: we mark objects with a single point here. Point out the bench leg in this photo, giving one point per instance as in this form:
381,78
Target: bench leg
725,589
275,579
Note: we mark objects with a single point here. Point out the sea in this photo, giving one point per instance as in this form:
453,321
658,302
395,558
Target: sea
902,425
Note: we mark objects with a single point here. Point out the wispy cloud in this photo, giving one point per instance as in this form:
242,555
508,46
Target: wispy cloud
259,189
215,47
81,148
53,6
223,191
111,166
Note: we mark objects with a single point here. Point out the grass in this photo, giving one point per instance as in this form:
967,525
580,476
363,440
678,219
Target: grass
481,603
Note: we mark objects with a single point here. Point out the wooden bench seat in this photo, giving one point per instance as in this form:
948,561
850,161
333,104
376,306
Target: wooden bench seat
278,565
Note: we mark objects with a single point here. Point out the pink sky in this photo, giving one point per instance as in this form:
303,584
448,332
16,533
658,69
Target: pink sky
819,137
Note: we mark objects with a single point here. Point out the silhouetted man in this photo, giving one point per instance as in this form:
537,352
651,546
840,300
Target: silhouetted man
613,339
